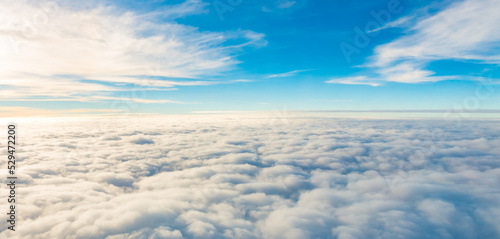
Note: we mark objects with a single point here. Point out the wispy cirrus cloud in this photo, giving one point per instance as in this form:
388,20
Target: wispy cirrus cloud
466,30
462,31
286,74
37,112
355,80
285,4
63,47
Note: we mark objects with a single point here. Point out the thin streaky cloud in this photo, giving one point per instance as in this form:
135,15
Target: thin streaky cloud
287,74
462,31
478,111
286,4
105,44
355,80
397,23
448,35
38,112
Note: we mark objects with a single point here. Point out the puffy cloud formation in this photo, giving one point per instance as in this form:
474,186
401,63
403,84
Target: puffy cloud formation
256,177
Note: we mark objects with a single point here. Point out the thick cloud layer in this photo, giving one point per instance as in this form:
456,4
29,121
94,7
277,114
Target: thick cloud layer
256,177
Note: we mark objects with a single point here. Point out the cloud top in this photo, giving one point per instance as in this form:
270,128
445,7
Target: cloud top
257,177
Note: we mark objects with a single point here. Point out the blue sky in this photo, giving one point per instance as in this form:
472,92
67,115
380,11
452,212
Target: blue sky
179,57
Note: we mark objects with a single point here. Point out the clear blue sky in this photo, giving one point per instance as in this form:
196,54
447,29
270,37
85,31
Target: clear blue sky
176,57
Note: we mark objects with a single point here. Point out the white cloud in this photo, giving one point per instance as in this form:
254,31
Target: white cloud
355,80
461,31
48,49
285,4
397,23
466,30
411,73
256,176
286,74
9,111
